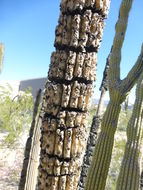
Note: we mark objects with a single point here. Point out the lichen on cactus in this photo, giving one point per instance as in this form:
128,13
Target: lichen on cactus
129,177
118,90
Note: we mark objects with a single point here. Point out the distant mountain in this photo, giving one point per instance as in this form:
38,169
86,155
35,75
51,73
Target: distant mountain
95,102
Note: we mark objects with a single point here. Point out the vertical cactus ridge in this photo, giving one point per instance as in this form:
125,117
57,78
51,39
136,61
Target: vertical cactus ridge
102,154
130,168
97,173
93,131
68,92
115,57
1,55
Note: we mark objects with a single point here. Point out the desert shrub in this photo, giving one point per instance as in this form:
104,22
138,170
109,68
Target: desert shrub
15,112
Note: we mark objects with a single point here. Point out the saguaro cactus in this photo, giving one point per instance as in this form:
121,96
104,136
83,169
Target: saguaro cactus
1,55
93,130
68,92
118,91
129,176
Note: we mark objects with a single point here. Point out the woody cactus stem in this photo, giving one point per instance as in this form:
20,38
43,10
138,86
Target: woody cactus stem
28,154
1,55
68,92
129,176
118,91
141,181
93,131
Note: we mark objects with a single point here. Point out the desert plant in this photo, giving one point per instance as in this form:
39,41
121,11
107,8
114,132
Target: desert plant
129,177
15,112
118,90
30,162
68,92
1,55
94,130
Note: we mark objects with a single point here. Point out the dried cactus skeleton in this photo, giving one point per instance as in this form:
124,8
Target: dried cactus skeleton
68,92
32,149
129,177
118,91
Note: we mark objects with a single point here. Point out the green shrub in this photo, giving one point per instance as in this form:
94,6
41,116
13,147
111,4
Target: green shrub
15,112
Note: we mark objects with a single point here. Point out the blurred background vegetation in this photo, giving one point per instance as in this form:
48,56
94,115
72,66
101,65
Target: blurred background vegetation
15,113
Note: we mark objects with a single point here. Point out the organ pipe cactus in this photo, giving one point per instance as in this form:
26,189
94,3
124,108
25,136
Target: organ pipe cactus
93,130
118,90
129,177
68,92
1,55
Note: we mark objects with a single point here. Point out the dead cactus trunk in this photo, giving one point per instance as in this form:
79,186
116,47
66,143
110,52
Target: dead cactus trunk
68,92
28,155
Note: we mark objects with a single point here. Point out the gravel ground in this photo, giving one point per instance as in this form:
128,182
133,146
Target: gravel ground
11,160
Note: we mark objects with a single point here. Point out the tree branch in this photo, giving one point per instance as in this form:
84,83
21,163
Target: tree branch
133,75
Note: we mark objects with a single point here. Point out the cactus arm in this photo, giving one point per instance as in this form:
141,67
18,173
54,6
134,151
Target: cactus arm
130,168
133,75
1,55
115,57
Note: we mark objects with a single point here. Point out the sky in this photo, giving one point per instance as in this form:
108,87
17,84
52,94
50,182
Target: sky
27,29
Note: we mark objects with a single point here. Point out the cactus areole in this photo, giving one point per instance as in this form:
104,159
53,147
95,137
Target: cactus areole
68,92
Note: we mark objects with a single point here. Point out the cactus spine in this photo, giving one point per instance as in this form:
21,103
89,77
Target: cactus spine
68,92
118,91
129,177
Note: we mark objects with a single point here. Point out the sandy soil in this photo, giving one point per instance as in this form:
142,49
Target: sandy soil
11,160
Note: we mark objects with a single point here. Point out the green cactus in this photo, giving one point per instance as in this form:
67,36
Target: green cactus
129,177
118,90
1,55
